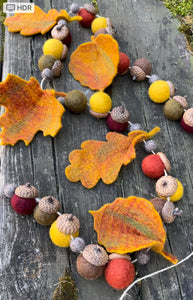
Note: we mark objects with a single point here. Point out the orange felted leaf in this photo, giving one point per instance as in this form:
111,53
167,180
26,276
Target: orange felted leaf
129,225
95,63
37,22
103,160
28,110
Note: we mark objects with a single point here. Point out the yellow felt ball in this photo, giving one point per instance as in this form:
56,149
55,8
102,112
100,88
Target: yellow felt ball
98,23
58,238
100,102
53,47
159,91
178,193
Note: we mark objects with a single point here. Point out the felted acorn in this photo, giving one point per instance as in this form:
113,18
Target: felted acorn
168,186
63,228
159,91
119,273
60,32
87,17
46,61
23,201
124,63
100,105
173,110
187,120
140,69
57,68
45,212
53,47
118,119
154,165
76,101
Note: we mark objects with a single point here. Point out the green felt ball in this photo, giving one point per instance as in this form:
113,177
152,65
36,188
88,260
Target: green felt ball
76,101
46,62
173,110
44,218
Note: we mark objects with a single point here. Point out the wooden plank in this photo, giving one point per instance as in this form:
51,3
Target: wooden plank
30,264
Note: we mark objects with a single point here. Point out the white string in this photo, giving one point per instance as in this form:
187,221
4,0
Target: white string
155,273
42,83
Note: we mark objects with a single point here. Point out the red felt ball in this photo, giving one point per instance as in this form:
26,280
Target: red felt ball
115,126
153,166
186,127
124,63
23,206
87,17
119,273
67,41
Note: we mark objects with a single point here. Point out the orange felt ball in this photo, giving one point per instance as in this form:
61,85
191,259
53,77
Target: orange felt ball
124,63
152,166
119,273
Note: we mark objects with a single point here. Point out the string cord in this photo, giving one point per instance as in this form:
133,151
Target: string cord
153,274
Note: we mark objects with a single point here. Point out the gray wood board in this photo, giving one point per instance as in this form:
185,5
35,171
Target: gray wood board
30,263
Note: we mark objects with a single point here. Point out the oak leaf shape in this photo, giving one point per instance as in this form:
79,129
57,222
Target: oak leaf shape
28,110
95,63
37,22
129,225
99,159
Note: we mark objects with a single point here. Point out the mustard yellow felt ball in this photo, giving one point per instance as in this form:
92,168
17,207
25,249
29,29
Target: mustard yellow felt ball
178,193
58,238
98,23
53,47
100,102
159,91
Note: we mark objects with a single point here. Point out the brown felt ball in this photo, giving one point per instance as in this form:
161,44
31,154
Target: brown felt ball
87,270
44,218
158,204
76,101
46,61
173,110
153,166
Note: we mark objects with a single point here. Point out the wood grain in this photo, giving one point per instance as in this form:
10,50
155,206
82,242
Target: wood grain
30,264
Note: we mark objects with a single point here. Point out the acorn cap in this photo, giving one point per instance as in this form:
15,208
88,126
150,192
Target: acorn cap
68,224
90,8
95,255
110,31
27,191
165,161
87,270
109,22
137,73
60,32
182,101
64,52
57,68
117,255
120,114
98,115
100,31
49,204
168,212
188,117
144,64
166,186
172,88
158,203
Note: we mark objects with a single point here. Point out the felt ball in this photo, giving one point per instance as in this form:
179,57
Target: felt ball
153,78
76,101
115,126
173,110
159,91
23,206
74,8
158,204
9,190
77,244
119,273
58,238
87,270
178,193
44,218
150,145
135,126
98,23
144,64
152,166
100,102
47,74
46,62
168,212
87,17
53,47
124,63
68,40
142,256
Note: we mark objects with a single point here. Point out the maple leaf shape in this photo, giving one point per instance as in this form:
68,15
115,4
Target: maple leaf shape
37,22
99,159
129,225
95,63
28,110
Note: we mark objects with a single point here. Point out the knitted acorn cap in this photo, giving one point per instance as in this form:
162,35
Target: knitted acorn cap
172,88
64,52
60,32
68,224
49,204
120,114
117,255
165,161
188,117
95,255
182,101
166,186
90,8
137,73
168,212
173,110
158,203
144,64
27,191
57,68
97,115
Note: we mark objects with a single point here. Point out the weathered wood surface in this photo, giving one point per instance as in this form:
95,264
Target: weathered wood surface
30,263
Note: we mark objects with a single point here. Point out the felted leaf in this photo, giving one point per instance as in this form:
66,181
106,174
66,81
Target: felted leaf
129,225
95,63
37,22
28,110
99,159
